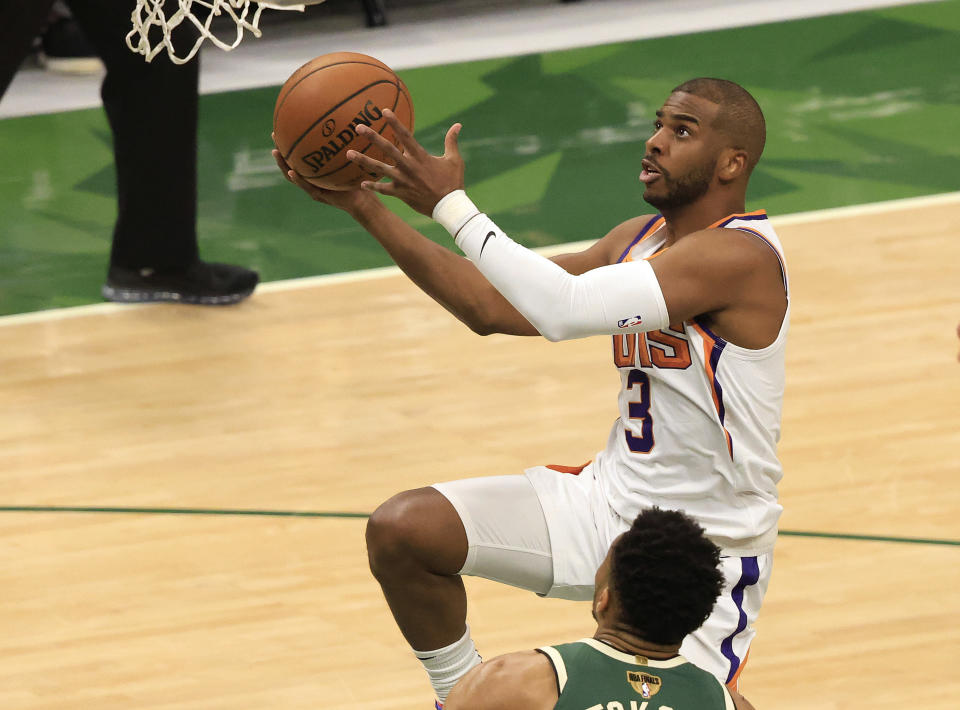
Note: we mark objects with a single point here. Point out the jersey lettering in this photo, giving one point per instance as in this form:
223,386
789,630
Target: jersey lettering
666,349
669,349
638,382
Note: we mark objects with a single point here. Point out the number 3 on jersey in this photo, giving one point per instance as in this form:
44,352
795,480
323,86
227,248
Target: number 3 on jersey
638,382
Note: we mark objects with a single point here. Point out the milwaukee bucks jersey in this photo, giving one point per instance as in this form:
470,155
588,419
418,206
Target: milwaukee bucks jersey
594,676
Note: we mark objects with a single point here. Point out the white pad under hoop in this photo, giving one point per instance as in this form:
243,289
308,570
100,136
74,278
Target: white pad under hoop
148,16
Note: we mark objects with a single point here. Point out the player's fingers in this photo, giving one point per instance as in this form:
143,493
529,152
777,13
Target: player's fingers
384,188
297,180
451,147
315,192
281,163
382,143
368,163
409,143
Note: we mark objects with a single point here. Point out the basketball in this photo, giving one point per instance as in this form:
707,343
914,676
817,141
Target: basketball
319,108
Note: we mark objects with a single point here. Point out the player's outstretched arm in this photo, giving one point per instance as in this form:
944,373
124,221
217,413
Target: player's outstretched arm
524,680
450,279
543,291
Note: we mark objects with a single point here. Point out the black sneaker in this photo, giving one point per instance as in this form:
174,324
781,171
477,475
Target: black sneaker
66,49
202,283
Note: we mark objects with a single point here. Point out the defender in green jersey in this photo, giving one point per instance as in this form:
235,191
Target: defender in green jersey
658,582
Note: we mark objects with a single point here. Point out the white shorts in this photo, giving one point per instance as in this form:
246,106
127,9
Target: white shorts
549,531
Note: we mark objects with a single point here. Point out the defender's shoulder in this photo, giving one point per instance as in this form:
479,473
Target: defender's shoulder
524,679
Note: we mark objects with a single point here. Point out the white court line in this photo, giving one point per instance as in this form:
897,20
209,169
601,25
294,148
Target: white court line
871,208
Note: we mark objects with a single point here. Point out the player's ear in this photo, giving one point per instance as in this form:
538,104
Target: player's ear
732,164
603,601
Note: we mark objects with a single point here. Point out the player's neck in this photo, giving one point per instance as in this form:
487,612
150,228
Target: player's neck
699,215
623,640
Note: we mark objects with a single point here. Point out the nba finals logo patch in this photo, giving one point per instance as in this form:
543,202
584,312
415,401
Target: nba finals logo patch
644,683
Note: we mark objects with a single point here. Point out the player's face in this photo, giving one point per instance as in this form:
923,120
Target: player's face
682,153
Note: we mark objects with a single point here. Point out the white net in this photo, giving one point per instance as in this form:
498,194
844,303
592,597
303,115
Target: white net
153,30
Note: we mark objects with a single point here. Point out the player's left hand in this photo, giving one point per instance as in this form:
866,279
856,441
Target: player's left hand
417,178
352,201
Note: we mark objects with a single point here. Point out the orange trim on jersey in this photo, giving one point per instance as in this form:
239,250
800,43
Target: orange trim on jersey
658,252
710,344
732,685
755,213
654,228
575,470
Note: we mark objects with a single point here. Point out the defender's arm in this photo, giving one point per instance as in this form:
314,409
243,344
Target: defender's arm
524,680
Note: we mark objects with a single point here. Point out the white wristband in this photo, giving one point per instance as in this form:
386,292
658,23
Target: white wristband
454,210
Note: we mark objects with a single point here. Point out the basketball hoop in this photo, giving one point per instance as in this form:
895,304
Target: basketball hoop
149,15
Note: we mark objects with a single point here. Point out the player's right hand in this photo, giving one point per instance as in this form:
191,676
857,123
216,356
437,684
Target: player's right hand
349,200
416,177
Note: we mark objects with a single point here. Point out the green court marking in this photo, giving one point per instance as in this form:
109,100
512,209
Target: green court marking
179,511
337,514
870,538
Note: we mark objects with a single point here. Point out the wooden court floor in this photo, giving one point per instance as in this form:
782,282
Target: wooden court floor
328,398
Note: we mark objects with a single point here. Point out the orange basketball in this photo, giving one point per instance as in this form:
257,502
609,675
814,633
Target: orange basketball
320,107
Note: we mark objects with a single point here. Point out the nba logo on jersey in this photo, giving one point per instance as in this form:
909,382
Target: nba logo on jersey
629,322
644,683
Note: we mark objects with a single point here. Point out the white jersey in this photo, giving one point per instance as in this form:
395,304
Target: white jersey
699,419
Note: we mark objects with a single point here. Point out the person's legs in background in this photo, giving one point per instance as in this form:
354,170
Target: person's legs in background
20,24
153,109
63,48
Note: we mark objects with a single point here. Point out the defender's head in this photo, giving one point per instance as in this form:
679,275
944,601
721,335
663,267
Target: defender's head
709,132
660,579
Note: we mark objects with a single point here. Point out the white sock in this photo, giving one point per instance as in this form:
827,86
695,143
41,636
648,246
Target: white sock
447,665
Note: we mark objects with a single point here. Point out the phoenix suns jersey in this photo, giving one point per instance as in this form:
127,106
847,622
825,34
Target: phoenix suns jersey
594,676
699,418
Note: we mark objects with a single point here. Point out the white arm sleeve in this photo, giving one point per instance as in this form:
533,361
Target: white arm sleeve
619,298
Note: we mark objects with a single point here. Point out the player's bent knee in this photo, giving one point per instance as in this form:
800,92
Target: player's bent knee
415,529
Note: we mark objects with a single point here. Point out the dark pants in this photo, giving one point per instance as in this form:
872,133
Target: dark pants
152,110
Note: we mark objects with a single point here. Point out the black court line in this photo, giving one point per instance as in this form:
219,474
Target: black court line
244,512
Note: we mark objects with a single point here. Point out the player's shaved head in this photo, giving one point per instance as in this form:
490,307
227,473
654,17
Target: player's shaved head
739,118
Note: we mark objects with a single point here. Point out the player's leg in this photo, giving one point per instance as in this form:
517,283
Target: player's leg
722,644
20,23
416,546
420,541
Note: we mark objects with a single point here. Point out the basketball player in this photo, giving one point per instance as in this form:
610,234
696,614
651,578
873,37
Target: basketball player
695,298
152,111
657,583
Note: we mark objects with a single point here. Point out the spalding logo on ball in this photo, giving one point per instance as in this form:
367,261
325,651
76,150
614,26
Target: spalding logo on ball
319,108
318,158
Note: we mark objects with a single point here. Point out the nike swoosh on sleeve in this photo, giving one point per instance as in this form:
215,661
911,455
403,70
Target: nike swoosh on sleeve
486,239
